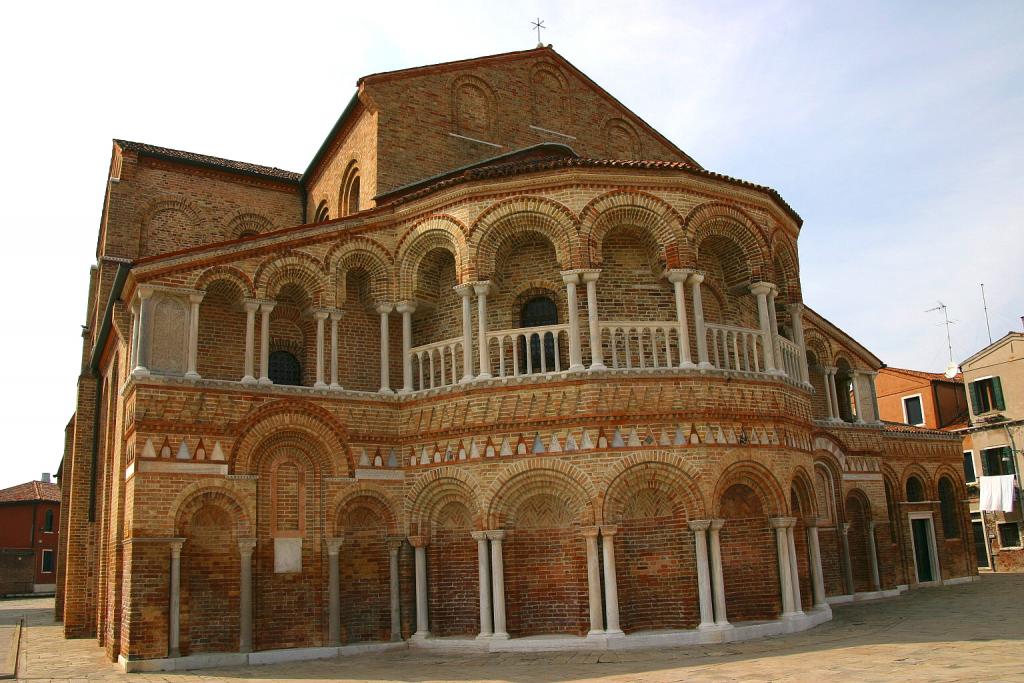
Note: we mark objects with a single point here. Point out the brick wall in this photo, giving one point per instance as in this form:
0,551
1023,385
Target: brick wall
16,571
210,570
749,560
452,570
365,578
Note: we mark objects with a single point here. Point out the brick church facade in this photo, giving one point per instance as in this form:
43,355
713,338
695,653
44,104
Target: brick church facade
502,362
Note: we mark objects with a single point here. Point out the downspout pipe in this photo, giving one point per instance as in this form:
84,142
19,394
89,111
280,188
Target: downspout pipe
94,371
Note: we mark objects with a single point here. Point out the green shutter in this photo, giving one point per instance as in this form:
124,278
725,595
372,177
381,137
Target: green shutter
986,471
1009,464
997,394
972,389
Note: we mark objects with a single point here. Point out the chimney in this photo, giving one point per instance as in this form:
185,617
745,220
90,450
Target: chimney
45,478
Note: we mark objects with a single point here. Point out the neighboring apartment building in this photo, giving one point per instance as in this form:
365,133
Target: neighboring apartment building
29,525
993,444
503,362
922,399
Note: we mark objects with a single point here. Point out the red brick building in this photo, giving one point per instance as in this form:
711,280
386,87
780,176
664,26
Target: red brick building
502,362
29,525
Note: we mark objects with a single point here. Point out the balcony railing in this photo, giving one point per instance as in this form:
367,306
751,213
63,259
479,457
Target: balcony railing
641,344
528,350
790,359
438,364
734,348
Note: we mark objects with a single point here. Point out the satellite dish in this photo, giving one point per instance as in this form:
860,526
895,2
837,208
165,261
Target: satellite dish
951,371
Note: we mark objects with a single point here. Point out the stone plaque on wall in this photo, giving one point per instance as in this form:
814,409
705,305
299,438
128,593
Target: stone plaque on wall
287,555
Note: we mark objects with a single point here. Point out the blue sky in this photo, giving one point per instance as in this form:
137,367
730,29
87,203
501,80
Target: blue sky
894,129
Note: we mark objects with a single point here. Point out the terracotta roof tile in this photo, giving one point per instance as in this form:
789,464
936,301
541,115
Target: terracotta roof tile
30,491
931,376
209,161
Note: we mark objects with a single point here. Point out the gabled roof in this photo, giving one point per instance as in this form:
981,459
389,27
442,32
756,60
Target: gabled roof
207,161
838,332
441,67
1008,337
31,491
929,376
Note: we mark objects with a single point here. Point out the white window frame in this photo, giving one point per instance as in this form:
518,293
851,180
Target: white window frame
933,549
981,452
903,402
984,533
42,562
979,379
1020,536
974,466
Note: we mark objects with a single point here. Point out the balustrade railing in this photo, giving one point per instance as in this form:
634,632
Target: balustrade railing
438,364
528,350
641,345
734,348
790,358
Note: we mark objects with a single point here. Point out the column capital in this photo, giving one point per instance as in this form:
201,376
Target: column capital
496,534
246,545
678,274
695,278
482,287
810,521
196,297
333,544
844,528
478,535
406,306
251,305
590,531
609,529
465,289
176,544
782,522
872,524
266,306
699,524
761,288
570,276
336,313
394,543
589,274
418,541
798,307
717,524
144,291
829,369
318,313
384,307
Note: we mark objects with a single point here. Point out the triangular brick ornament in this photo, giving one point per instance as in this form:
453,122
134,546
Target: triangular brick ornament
392,458
378,459
664,440
506,447
730,435
634,438
554,446
585,443
489,450
680,438
474,450
617,441
424,456
538,445
602,440
165,449
364,458
148,451
570,443
218,452
201,451
183,453
462,451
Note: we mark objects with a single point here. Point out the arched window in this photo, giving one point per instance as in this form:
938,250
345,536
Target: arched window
948,508
322,213
284,368
48,521
915,490
348,203
538,312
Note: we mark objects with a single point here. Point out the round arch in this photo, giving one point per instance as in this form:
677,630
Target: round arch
729,221
658,470
527,477
440,487
325,437
637,209
436,232
293,267
518,215
756,477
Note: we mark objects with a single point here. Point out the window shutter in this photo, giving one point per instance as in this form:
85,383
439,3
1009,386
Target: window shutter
972,389
997,394
1010,466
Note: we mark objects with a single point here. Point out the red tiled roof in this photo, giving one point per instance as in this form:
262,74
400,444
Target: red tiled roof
30,491
901,428
931,376
210,162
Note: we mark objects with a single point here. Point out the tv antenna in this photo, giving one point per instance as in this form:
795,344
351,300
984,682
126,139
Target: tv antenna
538,25
947,322
984,304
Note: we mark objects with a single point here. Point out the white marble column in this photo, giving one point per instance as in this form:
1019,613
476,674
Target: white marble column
844,548
830,393
698,320
677,276
320,316
250,306
142,333
773,319
700,540
796,315
194,299
245,548
466,293
384,309
333,592
422,604
594,581
873,377
484,575
498,582
876,582
265,309
761,290
571,278
717,576
482,289
133,350
593,321
817,577
794,568
174,622
857,397
336,315
406,308
394,546
785,576
611,587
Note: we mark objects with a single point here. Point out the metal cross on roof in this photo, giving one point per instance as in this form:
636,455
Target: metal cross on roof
538,25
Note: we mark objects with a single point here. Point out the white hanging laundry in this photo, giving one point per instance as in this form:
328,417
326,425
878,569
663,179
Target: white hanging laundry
997,493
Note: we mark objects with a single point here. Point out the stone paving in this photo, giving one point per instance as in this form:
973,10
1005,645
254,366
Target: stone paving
970,632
